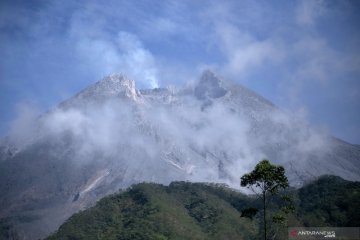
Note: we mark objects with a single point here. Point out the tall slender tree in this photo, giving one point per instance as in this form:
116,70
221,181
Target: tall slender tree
265,179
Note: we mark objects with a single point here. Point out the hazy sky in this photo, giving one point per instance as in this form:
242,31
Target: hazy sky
301,55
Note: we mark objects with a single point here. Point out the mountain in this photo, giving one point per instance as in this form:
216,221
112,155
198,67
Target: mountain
185,210
112,135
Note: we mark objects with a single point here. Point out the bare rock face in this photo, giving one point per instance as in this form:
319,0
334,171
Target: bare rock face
112,135
115,85
209,87
112,86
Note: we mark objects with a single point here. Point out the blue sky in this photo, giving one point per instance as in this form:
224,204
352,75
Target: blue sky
301,55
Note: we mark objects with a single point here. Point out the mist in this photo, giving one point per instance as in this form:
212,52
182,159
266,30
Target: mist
175,134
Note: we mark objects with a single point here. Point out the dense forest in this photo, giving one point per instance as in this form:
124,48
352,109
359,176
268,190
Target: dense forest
185,210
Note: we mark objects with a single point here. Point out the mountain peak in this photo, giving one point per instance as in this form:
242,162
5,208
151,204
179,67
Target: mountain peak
114,78
209,74
210,86
117,83
114,85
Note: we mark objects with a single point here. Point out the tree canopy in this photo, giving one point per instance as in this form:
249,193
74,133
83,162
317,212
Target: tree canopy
266,178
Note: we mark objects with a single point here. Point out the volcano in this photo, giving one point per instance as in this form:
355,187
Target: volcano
112,135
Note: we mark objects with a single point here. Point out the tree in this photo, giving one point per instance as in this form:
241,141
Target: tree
265,179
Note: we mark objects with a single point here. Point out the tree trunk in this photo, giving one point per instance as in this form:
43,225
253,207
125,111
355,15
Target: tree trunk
264,198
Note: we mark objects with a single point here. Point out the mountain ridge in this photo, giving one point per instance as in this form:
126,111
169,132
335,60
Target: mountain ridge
111,135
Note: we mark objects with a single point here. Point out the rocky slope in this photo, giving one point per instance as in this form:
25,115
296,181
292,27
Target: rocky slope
112,135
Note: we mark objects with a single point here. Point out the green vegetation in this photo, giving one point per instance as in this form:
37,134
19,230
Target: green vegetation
152,211
330,201
186,210
267,180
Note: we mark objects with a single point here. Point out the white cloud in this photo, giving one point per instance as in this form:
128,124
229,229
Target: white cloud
161,26
318,60
212,144
307,11
126,54
239,39
24,126
243,52
104,52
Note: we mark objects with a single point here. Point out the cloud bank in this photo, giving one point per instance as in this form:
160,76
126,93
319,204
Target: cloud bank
171,135
293,56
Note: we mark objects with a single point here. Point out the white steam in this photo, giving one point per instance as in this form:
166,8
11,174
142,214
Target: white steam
23,129
176,139
126,53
